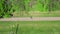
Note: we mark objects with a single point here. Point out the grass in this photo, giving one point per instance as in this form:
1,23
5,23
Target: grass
37,14
30,27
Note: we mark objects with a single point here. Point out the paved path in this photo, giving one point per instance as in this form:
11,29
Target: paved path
31,19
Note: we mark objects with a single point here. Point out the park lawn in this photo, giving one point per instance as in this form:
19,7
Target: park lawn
30,27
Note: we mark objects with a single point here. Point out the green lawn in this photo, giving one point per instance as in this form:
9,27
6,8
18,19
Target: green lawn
30,27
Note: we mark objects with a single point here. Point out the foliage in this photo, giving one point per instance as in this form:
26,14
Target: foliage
6,9
42,5
7,6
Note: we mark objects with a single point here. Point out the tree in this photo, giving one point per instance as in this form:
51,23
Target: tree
53,5
5,10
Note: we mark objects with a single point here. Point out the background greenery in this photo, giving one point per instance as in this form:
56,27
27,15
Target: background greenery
7,7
